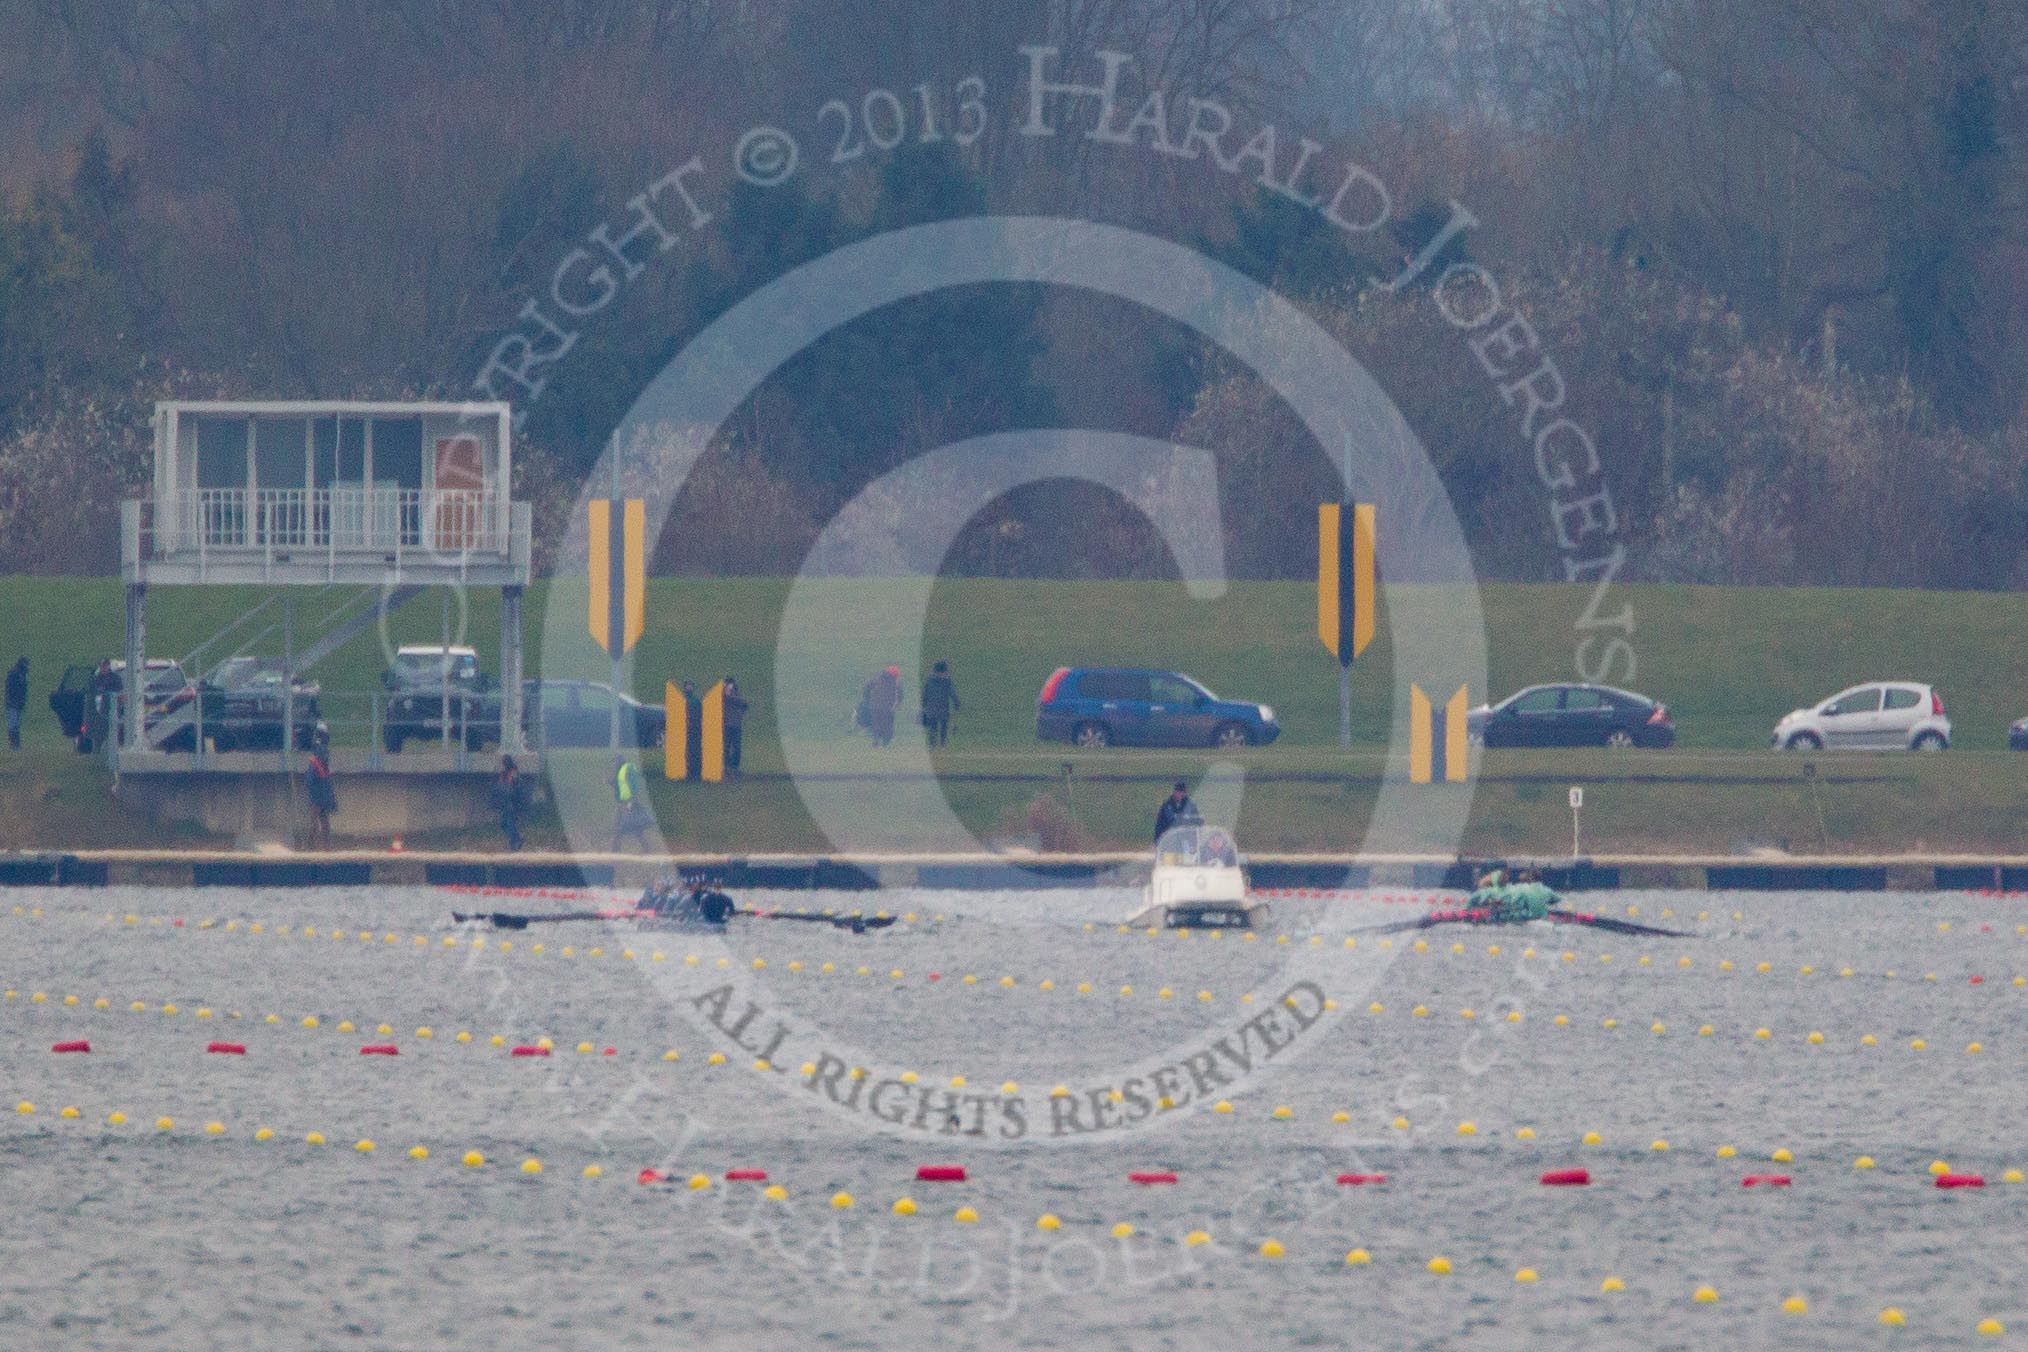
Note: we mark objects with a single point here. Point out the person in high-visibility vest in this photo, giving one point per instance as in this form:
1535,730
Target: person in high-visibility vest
630,807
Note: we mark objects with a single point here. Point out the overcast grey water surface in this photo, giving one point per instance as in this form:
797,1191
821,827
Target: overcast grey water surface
142,1235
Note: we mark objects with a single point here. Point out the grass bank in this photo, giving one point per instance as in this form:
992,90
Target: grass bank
1727,661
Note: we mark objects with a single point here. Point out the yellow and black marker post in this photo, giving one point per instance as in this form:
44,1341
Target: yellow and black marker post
694,734
617,567
1345,593
1437,738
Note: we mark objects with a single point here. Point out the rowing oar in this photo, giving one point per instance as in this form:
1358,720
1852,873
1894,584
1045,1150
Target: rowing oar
508,920
1612,926
858,924
1423,922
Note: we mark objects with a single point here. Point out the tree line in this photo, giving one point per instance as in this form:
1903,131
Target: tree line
1776,250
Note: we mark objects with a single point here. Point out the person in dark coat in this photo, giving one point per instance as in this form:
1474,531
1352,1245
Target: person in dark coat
735,725
510,796
17,700
323,797
1176,810
102,706
939,702
882,701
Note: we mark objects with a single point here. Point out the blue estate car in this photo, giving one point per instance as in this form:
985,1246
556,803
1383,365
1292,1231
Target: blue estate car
1132,706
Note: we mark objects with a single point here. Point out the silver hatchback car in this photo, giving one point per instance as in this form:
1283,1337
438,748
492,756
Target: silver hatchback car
1879,716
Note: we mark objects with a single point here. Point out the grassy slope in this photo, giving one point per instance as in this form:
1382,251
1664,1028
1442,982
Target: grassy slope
1728,661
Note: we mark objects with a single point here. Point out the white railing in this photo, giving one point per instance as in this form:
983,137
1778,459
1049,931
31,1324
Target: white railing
336,520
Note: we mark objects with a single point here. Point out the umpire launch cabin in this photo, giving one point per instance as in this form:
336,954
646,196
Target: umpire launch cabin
280,493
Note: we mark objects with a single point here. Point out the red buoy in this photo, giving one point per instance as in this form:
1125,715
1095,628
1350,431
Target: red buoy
1765,1180
1152,1176
940,1173
746,1175
79,1046
650,1175
529,1051
1961,1180
226,1048
1566,1178
1357,1180
610,1051
380,1049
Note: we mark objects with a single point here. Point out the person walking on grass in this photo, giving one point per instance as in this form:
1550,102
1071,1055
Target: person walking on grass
630,808
880,701
735,725
939,702
17,700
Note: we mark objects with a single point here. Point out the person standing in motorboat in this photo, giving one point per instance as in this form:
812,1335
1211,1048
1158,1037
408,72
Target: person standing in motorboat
1176,810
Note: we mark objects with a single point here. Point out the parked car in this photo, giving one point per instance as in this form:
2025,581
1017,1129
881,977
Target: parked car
417,685
1878,716
1573,715
246,712
165,688
1134,706
579,713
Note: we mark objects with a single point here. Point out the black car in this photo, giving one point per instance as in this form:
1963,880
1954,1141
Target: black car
166,690
245,700
422,681
1573,715
580,713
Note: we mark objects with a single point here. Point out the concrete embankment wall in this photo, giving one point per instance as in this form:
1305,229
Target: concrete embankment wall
1285,874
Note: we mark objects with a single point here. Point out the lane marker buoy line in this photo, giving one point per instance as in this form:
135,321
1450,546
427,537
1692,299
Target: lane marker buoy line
1685,1026
1628,1156
538,947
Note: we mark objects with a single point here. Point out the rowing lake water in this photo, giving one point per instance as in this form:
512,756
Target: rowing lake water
1461,1070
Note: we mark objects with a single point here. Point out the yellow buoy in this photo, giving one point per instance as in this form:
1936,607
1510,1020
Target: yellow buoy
841,1200
1047,1222
1525,1275
1795,1305
965,1215
1358,1258
473,1159
904,1206
1439,1265
1122,1230
531,1166
1612,1284
1271,1249
1704,1295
